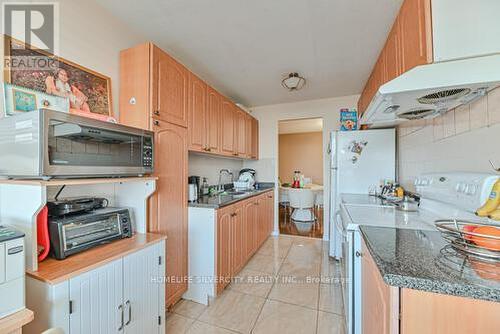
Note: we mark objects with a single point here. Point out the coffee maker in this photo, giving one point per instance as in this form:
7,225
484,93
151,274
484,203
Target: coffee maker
193,188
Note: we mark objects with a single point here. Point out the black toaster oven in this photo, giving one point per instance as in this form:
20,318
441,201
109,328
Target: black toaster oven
75,233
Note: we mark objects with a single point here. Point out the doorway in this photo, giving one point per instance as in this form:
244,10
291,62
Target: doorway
300,171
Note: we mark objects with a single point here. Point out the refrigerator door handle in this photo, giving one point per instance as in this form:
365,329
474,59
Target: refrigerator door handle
329,150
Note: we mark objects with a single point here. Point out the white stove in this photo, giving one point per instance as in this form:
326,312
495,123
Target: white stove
444,196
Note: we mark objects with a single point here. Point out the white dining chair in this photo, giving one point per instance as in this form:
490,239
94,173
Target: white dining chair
318,199
302,203
284,200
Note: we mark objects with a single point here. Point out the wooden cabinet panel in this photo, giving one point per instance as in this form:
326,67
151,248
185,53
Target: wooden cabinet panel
416,33
134,85
241,133
255,139
392,53
197,114
249,214
248,135
228,128
237,239
223,248
380,307
168,205
169,89
425,312
213,126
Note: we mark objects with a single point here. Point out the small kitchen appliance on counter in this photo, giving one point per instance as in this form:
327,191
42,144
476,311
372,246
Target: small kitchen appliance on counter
74,205
11,271
74,233
193,188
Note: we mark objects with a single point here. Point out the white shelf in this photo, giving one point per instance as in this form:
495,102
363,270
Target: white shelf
60,182
22,200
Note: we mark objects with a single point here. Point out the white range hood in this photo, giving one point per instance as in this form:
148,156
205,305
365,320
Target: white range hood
466,51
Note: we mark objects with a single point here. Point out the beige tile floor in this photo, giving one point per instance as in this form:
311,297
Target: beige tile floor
289,286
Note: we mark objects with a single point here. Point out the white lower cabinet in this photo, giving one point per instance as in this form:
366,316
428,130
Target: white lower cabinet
123,296
96,300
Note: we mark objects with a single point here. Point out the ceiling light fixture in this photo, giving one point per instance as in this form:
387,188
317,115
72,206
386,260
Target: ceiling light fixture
293,82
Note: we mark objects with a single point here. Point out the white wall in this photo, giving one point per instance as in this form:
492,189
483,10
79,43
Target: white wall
269,116
208,166
463,139
90,36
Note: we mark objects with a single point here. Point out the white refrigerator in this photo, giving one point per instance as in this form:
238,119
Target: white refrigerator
359,161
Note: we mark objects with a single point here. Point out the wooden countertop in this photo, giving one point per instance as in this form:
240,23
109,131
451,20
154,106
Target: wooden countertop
14,322
55,271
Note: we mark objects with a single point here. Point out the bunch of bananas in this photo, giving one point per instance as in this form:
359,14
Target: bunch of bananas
491,208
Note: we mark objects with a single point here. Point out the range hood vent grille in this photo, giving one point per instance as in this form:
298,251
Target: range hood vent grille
444,96
418,114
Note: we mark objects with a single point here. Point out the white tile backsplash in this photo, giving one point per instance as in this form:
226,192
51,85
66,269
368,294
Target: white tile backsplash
209,166
463,139
494,107
479,113
462,119
449,124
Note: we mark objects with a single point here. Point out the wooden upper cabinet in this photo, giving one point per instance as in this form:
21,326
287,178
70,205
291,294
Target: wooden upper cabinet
169,89
213,120
409,44
254,154
197,114
248,134
392,53
134,87
228,128
241,133
416,33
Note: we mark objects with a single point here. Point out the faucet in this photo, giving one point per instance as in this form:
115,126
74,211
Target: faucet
220,185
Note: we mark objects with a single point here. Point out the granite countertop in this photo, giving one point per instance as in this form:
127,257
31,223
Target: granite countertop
422,260
224,199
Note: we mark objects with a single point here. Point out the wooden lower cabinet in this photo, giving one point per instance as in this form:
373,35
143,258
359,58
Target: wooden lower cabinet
425,312
168,205
380,310
224,247
392,310
241,229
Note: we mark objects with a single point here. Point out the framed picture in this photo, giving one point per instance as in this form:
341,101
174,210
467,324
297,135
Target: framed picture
89,92
23,101
20,100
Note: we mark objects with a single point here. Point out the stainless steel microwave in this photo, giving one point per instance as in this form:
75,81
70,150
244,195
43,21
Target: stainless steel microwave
46,144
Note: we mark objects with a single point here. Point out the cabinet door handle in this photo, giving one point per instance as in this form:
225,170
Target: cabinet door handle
120,308
156,112
358,254
156,123
127,304
235,154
